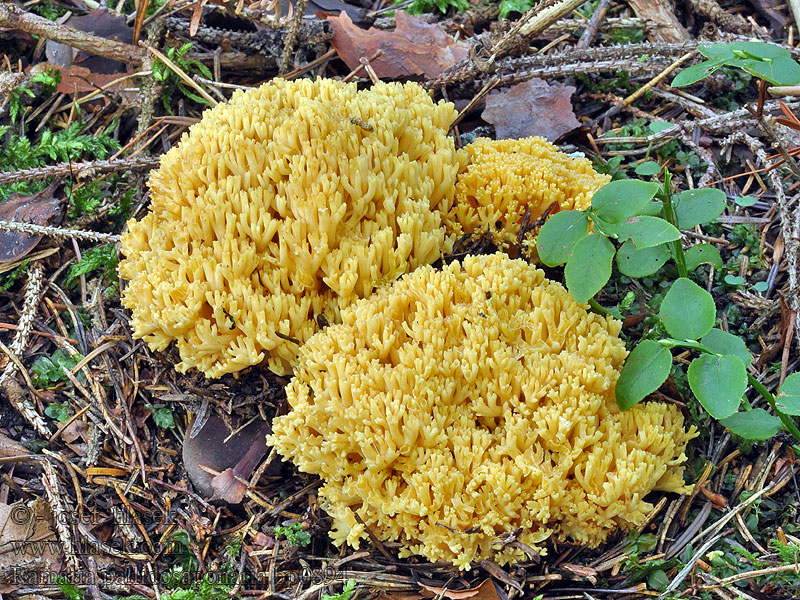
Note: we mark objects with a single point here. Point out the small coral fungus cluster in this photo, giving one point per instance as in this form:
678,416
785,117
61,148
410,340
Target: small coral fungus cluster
442,408
503,180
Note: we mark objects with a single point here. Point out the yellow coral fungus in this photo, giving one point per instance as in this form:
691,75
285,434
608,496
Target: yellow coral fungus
280,205
457,405
500,180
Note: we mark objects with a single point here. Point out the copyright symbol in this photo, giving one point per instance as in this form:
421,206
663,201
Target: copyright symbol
20,514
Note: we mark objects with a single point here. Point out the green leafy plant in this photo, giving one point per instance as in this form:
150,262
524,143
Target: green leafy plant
769,62
47,80
348,589
295,534
69,144
170,81
652,571
46,370
70,590
86,198
426,6
9,278
627,35
645,219
162,415
613,166
58,411
100,258
183,579
514,6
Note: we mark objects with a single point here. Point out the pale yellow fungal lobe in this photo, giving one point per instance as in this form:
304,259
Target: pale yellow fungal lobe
500,180
281,205
454,406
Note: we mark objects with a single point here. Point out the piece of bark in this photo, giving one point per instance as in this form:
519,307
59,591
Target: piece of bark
12,17
710,9
100,22
778,21
666,27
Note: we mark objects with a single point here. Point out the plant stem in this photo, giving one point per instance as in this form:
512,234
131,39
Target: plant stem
669,213
595,306
787,421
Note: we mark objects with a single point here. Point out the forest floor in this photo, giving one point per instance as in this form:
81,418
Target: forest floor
96,499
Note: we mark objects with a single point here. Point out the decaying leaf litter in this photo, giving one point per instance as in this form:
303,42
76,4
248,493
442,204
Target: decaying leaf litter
101,418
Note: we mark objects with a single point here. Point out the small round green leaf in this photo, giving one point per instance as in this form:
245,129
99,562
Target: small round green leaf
658,580
756,424
618,200
788,395
718,382
687,311
559,234
647,232
657,126
640,263
589,267
645,370
745,201
694,207
760,286
703,253
723,342
647,168
734,279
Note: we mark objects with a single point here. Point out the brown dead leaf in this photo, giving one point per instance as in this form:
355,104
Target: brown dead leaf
485,591
413,48
81,80
28,544
531,108
216,466
39,209
75,431
11,447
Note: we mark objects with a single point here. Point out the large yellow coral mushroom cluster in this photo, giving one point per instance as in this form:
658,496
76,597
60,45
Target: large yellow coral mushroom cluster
287,202
501,180
461,404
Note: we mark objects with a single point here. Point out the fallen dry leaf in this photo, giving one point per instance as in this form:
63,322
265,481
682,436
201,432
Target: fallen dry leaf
485,591
11,447
531,108
81,80
75,431
413,48
28,544
39,209
231,461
